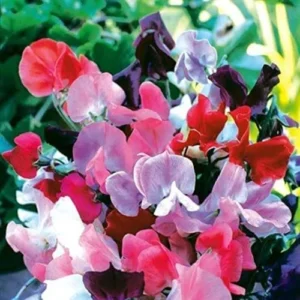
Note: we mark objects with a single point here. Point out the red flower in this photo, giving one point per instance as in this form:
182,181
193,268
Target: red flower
25,154
207,122
268,159
48,66
50,187
82,196
119,225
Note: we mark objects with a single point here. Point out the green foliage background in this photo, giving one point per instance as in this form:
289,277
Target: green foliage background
104,32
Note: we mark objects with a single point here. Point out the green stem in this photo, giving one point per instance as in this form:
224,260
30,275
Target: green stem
57,105
44,108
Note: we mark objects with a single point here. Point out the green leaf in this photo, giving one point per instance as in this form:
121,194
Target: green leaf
243,36
4,144
113,58
89,32
29,16
81,9
63,34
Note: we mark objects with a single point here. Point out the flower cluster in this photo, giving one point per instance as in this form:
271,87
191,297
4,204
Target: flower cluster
152,197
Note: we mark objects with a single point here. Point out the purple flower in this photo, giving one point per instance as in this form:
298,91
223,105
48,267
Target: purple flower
196,56
286,274
291,201
113,284
129,80
153,47
234,91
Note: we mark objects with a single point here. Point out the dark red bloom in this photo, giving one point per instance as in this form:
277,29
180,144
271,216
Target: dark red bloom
114,284
25,154
119,225
50,187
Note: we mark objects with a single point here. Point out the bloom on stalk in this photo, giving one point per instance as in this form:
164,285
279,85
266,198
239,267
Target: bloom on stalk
48,66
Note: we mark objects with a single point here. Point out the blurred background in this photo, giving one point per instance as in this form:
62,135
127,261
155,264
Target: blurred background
248,33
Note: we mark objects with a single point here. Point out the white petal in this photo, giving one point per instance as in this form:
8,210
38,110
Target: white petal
68,225
66,288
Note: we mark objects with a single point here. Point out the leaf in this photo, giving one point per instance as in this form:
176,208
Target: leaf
29,16
113,58
63,34
4,144
89,32
243,36
81,9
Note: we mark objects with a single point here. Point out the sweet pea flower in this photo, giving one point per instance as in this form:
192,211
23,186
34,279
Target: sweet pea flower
88,248
261,212
74,186
233,89
233,250
213,129
202,281
99,150
196,55
114,284
153,47
91,95
145,253
172,179
153,105
48,66
25,154
37,243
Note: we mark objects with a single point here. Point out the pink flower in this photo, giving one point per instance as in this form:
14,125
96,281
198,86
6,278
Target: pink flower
91,95
260,211
25,154
153,105
48,66
74,186
150,136
145,253
234,252
37,243
200,281
87,246
101,149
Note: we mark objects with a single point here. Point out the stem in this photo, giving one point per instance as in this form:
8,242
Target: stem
168,91
40,114
57,105
24,287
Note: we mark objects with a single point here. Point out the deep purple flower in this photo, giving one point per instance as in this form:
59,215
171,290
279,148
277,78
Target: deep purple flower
129,80
113,284
234,92
291,201
196,56
285,275
153,47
